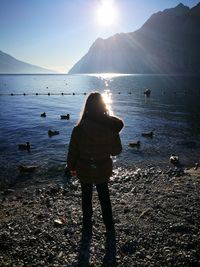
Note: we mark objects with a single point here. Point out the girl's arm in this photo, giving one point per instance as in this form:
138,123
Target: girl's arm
73,151
116,148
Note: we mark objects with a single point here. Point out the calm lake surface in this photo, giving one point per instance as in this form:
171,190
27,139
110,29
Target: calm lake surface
172,112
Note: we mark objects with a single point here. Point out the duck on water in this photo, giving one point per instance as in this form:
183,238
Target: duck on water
26,146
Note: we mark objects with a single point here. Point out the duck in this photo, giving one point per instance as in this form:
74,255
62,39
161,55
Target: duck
43,114
135,144
147,92
26,146
149,134
51,133
196,166
65,117
174,159
27,169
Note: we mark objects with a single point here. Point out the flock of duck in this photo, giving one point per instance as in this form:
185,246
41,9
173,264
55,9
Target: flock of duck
138,143
174,159
51,133
27,146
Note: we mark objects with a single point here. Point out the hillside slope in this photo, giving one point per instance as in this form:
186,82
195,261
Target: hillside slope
168,42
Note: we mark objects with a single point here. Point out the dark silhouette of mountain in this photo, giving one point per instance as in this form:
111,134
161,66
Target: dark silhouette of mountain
168,42
10,65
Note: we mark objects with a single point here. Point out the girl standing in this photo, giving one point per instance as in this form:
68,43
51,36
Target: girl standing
93,141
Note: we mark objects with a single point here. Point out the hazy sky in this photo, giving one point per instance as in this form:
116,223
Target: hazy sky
56,33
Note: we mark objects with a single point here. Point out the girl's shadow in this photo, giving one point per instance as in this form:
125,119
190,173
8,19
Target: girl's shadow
109,259
84,249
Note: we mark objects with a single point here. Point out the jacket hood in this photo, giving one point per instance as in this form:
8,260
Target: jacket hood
113,123
110,122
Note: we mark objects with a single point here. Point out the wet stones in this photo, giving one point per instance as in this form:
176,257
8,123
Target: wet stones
177,172
8,192
129,247
126,210
180,227
156,221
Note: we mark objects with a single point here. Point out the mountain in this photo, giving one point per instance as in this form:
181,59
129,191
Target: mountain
10,65
168,42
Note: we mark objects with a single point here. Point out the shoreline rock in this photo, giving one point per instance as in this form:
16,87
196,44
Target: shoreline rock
156,215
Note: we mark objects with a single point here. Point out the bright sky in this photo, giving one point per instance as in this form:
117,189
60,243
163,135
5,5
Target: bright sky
56,33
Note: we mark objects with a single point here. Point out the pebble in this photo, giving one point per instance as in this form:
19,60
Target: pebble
43,228
180,227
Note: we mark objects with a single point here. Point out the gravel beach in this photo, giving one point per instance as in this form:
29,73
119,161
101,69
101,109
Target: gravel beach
156,211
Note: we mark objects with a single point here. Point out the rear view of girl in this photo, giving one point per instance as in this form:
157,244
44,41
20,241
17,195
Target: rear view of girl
93,141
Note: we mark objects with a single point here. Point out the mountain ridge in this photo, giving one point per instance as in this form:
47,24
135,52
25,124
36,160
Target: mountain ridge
168,42
11,65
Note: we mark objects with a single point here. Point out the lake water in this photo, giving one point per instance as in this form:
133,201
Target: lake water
172,112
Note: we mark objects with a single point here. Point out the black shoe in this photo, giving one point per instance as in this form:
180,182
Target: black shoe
110,232
83,264
87,232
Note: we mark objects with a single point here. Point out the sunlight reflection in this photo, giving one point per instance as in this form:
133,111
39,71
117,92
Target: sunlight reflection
107,97
108,76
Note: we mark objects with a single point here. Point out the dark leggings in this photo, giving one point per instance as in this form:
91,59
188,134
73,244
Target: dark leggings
104,198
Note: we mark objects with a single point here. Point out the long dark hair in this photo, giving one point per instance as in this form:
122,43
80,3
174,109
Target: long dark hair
95,107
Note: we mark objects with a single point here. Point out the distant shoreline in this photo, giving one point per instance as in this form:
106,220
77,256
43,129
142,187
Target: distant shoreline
99,74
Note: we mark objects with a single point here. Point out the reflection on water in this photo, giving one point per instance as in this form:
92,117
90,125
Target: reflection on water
108,76
107,97
172,112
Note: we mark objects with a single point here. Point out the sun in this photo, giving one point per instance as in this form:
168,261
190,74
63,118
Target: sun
106,13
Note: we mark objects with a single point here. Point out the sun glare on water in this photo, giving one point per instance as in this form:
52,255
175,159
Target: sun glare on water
106,13
107,97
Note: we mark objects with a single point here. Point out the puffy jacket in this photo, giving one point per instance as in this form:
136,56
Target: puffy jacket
92,144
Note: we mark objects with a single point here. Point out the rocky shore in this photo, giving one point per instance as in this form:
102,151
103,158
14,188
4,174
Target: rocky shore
156,211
